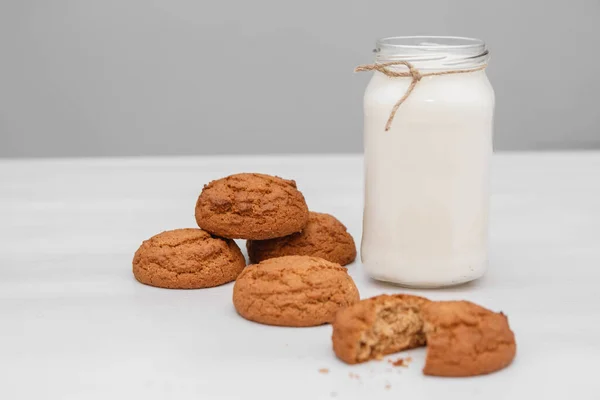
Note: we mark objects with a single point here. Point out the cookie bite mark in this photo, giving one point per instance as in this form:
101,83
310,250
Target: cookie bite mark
378,326
251,206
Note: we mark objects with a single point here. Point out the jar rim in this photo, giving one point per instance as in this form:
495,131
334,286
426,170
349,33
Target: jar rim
445,51
449,42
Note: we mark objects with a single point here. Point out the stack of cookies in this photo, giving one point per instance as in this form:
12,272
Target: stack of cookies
297,254
297,279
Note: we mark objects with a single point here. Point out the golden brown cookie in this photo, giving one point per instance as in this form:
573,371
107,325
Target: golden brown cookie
293,291
378,326
464,339
324,236
187,259
251,206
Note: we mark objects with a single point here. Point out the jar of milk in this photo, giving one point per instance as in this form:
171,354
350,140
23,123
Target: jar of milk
427,176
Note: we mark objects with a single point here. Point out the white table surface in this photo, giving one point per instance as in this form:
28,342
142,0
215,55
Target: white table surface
74,324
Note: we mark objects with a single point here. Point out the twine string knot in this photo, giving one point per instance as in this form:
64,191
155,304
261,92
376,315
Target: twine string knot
412,73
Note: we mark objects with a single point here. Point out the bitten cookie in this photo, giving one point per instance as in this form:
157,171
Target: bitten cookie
251,206
464,339
324,236
378,326
187,259
293,291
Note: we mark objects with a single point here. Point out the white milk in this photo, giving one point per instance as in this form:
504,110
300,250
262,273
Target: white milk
427,178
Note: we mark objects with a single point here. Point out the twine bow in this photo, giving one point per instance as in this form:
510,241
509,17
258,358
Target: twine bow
411,73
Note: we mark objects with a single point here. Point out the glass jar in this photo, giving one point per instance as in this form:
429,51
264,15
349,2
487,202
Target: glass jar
427,194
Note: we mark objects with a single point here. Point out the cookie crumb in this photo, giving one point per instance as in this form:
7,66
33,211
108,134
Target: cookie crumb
400,362
388,386
352,375
324,370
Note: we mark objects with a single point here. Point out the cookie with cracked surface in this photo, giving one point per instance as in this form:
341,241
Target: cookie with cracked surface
324,236
293,291
378,326
251,206
187,259
464,339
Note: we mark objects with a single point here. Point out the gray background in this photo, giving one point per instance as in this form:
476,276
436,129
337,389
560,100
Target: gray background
140,77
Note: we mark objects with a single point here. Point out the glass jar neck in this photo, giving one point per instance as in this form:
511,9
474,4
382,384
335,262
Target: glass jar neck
433,52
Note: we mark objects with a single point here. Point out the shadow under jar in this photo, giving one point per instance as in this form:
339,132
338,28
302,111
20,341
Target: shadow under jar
427,178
